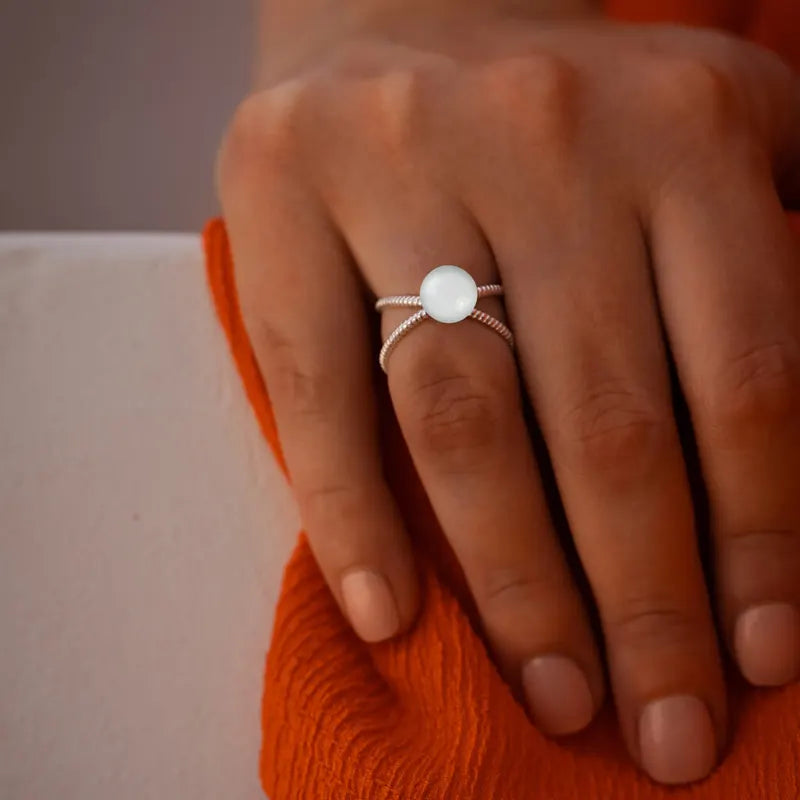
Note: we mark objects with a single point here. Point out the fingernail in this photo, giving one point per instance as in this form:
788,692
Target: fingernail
767,643
676,739
558,694
370,605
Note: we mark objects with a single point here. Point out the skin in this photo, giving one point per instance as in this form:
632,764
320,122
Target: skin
625,183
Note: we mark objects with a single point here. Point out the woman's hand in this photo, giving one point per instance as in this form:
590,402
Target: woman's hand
623,183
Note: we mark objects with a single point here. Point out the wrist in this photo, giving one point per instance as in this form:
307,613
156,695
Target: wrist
290,31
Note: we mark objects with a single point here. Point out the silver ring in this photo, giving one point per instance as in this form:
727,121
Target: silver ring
447,294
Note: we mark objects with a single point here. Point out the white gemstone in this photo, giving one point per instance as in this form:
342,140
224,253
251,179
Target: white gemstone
448,293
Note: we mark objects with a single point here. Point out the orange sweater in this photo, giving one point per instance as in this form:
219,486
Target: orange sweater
427,717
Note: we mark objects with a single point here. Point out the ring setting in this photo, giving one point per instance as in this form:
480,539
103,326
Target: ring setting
448,294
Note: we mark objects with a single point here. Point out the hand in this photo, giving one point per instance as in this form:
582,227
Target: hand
624,184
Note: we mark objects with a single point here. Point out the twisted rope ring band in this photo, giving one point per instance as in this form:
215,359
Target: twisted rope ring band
447,294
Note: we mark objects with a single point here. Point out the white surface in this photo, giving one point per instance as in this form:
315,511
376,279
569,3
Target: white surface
143,528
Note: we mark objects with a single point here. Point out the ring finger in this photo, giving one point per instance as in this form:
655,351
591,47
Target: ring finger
457,398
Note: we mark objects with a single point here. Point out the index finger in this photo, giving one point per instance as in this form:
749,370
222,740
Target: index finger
302,306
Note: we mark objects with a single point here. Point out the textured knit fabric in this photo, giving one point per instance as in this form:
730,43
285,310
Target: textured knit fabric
428,716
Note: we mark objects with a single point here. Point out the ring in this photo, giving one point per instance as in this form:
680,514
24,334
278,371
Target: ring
447,294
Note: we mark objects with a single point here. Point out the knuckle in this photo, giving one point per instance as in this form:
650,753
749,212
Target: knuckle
508,586
536,96
783,541
388,102
651,622
616,433
306,393
512,591
759,560
302,389
546,74
699,96
262,131
529,609
245,132
757,388
401,97
332,502
453,420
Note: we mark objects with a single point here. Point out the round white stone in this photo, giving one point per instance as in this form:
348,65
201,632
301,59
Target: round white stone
448,293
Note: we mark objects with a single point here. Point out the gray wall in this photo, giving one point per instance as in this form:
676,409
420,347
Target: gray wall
111,110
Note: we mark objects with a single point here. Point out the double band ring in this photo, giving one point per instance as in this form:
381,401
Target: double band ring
447,294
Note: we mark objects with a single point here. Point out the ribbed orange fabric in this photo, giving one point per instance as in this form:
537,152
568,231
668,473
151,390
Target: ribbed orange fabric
428,717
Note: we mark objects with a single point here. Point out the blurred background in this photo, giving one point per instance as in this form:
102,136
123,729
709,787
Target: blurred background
111,110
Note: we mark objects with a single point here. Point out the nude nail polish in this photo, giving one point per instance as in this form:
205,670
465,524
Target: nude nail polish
558,694
676,739
370,605
767,644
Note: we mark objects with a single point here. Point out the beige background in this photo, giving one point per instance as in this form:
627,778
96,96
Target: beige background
110,110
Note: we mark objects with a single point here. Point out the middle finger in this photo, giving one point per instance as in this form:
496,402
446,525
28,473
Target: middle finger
595,365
